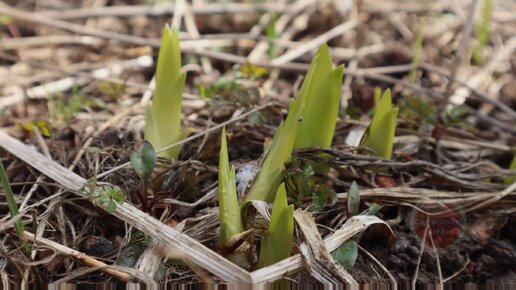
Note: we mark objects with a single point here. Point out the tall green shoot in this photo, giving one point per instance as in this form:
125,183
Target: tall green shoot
380,134
417,49
483,32
230,220
163,114
310,122
272,35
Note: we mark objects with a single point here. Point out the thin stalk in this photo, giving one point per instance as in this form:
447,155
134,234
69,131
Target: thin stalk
13,207
417,50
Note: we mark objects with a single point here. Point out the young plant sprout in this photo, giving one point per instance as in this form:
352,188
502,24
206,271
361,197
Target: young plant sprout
483,32
13,207
380,134
163,114
417,50
276,243
319,116
230,220
310,122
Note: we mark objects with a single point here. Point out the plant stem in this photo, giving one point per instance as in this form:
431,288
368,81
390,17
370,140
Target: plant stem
13,207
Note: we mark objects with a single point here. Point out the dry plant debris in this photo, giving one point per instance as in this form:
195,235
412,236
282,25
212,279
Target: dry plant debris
437,206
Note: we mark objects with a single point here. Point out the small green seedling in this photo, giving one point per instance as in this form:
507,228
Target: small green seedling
380,134
62,110
346,254
230,220
417,49
144,161
13,207
483,32
108,196
272,35
276,243
310,122
163,114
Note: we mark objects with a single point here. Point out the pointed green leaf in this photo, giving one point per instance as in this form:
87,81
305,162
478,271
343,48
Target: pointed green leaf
163,114
169,58
144,160
482,32
346,254
230,220
380,134
353,199
276,244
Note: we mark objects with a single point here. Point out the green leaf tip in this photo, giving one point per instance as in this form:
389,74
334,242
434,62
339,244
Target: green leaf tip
276,243
229,211
163,114
380,134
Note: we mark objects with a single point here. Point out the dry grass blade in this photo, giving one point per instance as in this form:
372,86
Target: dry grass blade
314,43
459,58
161,10
44,90
149,261
468,201
80,29
320,262
172,239
88,260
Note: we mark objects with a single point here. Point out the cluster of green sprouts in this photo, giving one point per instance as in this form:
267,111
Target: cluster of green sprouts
310,122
